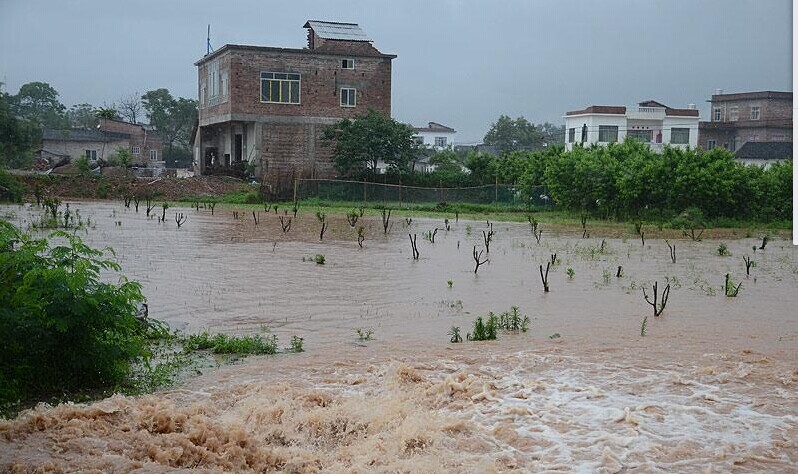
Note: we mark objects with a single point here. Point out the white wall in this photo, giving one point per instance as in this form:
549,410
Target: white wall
680,122
593,122
429,137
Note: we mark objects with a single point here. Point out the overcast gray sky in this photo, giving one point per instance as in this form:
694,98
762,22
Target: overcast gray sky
460,63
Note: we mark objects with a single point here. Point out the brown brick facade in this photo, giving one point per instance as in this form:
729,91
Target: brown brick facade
283,140
736,126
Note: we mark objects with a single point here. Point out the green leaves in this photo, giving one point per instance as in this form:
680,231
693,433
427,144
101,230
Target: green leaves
359,143
61,327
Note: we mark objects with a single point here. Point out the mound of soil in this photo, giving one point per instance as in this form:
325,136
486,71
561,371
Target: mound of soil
114,187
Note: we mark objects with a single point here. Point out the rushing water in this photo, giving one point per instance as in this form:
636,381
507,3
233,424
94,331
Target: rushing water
711,388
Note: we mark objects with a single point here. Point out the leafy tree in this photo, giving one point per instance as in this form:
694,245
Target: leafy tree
38,102
17,137
519,134
359,143
172,117
107,113
82,116
62,327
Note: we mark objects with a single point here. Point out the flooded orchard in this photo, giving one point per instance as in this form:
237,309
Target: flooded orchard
711,387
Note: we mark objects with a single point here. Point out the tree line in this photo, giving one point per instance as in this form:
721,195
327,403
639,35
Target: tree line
622,180
37,105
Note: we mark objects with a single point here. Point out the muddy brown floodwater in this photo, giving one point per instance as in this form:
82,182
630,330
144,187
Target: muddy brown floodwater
710,388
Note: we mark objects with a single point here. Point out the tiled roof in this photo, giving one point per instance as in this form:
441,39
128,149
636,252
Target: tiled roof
435,127
81,135
765,151
600,109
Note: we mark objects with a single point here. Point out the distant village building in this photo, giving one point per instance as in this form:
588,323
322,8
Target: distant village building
61,146
436,136
757,126
650,122
267,107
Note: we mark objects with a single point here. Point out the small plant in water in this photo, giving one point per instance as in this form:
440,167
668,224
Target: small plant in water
728,287
644,326
570,272
454,334
485,331
513,320
319,259
605,276
296,344
723,250
450,283
364,334
556,335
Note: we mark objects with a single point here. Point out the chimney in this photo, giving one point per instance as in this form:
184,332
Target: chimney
718,91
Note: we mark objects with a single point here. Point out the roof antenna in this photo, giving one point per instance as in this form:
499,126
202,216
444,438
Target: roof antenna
210,50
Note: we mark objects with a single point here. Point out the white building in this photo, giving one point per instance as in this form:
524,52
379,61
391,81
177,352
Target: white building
650,122
436,136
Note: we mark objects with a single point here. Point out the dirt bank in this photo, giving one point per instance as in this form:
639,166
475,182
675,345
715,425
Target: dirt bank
93,187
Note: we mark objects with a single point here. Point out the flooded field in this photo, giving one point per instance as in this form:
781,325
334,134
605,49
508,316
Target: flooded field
712,387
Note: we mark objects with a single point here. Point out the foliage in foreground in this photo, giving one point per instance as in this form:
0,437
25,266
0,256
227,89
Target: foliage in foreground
61,328
487,329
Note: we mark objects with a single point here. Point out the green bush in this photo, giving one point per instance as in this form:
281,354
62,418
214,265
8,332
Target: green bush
61,328
11,190
224,344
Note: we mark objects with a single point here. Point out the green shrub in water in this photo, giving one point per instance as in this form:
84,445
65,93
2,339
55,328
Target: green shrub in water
62,329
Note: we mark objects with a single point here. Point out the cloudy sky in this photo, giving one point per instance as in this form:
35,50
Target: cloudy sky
459,63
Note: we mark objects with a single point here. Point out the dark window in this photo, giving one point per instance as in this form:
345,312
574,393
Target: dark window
571,135
280,87
348,97
641,135
347,64
680,136
608,133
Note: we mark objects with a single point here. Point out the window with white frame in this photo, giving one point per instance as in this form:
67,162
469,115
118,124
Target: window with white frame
440,141
711,144
608,133
136,150
680,136
213,79
645,136
91,155
734,113
571,135
755,112
348,97
153,155
347,63
717,114
223,84
280,87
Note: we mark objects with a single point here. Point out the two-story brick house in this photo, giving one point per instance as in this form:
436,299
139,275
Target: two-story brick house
737,119
268,106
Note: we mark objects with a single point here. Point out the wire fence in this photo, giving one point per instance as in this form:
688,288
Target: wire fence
394,195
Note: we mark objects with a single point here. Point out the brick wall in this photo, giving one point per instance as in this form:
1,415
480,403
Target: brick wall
139,137
290,134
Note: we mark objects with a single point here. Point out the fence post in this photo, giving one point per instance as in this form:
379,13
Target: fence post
364,190
296,184
496,194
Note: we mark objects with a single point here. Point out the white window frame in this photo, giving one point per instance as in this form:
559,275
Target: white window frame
347,61
91,155
153,155
136,150
351,93
608,129
711,144
717,114
293,78
734,113
679,130
441,142
756,112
